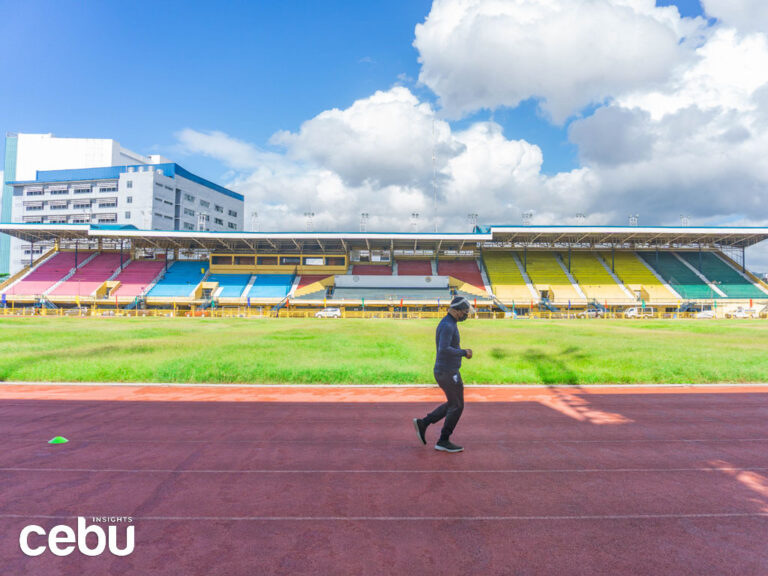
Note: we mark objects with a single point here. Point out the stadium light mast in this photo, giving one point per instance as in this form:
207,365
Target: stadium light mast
255,221
683,220
309,216
633,218
414,221
527,217
472,219
363,221
581,218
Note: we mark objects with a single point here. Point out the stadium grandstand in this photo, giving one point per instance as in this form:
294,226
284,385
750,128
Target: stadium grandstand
506,270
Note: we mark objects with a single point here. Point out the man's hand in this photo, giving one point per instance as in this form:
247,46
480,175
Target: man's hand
469,353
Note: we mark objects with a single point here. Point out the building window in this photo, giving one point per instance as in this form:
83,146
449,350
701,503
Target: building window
189,212
232,225
108,189
189,198
232,213
129,199
59,192
35,192
127,215
82,191
158,184
33,207
129,183
205,204
218,208
58,206
219,221
188,226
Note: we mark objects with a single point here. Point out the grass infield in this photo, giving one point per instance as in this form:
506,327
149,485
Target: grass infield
239,350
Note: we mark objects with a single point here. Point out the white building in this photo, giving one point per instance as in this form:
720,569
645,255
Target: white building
73,180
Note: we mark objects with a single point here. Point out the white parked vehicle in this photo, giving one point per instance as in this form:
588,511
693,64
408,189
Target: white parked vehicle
705,314
640,312
328,313
741,312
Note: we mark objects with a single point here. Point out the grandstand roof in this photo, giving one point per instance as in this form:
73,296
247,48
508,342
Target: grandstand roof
485,236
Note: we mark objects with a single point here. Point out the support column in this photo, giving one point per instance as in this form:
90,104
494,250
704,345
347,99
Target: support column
569,258
744,259
613,258
31,253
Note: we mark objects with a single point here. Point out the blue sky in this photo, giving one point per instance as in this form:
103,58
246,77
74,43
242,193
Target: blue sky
598,107
142,71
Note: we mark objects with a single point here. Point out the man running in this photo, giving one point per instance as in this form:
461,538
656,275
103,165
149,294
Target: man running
447,364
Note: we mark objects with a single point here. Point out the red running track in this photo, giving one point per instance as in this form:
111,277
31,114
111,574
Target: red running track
333,481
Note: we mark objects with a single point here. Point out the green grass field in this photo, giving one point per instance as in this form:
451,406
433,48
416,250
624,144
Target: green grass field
379,351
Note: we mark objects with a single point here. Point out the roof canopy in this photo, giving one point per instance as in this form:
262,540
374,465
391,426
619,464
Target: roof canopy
487,237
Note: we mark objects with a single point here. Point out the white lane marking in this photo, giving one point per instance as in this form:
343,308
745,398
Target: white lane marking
404,518
408,471
102,439
396,386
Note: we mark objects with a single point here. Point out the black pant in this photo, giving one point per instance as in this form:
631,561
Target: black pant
453,387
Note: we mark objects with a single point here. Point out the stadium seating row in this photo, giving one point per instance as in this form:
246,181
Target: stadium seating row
514,276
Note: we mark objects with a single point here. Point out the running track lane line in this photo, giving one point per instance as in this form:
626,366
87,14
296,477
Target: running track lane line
402,518
352,471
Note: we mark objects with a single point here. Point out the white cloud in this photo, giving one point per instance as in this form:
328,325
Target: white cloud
684,136
746,15
490,53
376,157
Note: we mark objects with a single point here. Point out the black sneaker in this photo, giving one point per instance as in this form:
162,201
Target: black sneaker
421,429
448,446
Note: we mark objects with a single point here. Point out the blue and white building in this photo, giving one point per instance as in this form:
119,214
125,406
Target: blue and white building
71,180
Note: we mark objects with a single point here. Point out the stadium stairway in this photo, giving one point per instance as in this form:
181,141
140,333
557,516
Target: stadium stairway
639,277
684,280
595,281
136,278
548,276
722,275
45,275
506,278
181,279
89,277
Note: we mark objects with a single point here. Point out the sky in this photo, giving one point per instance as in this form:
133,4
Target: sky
606,108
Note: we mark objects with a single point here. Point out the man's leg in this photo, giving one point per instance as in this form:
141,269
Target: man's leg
453,386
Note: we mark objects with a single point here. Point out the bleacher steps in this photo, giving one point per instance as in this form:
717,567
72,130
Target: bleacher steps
657,276
484,275
21,274
616,279
294,286
71,273
119,269
154,281
571,279
745,276
700,275
534,294
248,287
